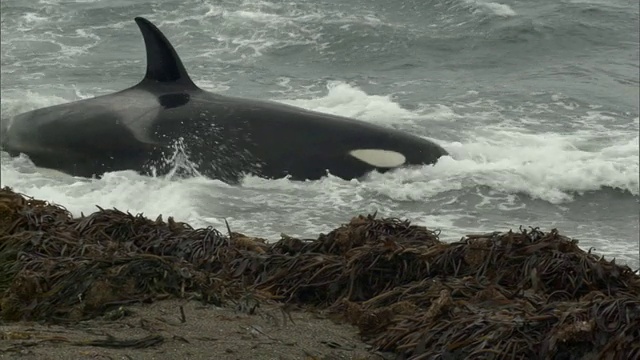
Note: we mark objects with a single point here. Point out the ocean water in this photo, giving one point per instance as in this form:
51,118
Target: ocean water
537,102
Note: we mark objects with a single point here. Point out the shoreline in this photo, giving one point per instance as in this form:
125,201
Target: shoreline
394,288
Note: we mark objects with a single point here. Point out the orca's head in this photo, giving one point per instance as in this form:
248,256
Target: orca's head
356,160
387,150
305,145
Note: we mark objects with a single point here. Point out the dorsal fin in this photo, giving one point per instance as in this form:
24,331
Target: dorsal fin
163,63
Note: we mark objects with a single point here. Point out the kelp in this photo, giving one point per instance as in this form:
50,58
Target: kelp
524,294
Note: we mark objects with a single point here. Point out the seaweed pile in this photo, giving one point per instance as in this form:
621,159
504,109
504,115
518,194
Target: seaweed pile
515,295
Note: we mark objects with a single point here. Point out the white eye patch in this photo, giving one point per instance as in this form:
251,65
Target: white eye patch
379,158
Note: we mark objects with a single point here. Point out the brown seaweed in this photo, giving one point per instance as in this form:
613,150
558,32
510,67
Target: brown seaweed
524,294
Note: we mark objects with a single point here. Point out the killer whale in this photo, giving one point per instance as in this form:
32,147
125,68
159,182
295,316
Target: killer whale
226,137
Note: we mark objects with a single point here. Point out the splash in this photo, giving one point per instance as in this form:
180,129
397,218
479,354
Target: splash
176,163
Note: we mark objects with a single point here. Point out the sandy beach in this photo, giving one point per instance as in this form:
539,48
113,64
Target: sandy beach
158,331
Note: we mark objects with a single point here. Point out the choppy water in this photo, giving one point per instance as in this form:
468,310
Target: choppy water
536,101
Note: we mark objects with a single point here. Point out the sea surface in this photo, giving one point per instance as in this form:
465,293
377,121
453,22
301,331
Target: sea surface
537,102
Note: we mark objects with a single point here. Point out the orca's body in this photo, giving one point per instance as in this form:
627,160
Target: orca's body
227,137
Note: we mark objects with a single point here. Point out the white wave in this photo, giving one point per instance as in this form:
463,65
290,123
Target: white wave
495,8
125,190
544,166
346,100
257,16
33,18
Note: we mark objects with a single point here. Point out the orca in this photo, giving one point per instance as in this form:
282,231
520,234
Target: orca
139,128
